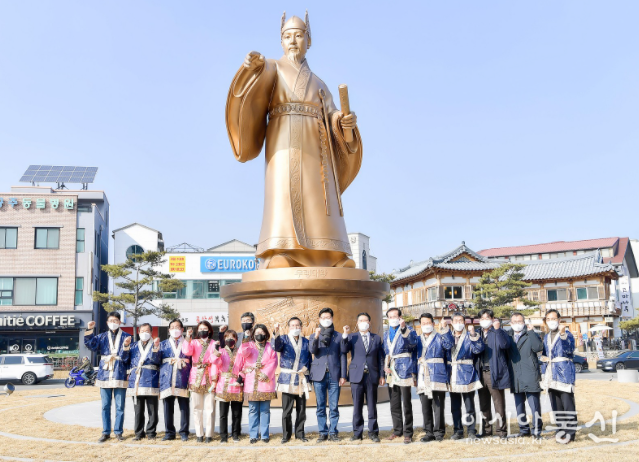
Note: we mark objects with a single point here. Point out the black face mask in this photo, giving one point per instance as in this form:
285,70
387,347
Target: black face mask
230,343
260,337
203,334
247,326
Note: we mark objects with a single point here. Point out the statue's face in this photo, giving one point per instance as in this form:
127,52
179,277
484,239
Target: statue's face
295,44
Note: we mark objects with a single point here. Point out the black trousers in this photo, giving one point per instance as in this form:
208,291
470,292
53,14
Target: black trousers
358,390
169,415
236,419
563,407
470,418
288,400
486,393
399,396
433,412
151,403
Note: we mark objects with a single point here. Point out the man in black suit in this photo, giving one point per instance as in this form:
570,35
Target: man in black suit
367,360
328,373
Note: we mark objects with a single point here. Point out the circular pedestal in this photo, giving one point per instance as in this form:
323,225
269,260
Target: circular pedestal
276,295
627,376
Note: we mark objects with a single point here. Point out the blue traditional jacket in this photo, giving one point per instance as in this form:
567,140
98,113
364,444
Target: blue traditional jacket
561,373
401,357
114,357
295,362
461,357
431,361
175,369
144,371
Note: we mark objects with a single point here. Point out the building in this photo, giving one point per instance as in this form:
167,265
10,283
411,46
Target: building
52,243
202,271
617,251
578,286
360,248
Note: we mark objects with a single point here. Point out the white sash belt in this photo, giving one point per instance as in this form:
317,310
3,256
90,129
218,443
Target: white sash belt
109,362
303,383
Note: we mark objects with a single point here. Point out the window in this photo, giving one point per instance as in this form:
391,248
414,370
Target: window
432,294
84,208
453,292
533,295
364,262
587,293
40,360
634,355
6,291
12,360
35,291
79,240
79,289
133,250
557,295
47,238
8,238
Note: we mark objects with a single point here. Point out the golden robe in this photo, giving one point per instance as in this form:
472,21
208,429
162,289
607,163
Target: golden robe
280,103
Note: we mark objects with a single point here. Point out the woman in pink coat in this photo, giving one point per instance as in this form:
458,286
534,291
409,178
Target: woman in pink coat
226,393
255,366
202,352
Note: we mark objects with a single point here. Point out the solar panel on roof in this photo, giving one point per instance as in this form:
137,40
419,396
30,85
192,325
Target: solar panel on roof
59,174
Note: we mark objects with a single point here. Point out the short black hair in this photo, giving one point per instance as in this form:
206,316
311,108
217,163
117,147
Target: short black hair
294,318
399,312
364,313
248,314
326,310
552,311
517,313
264,328
144,325
487,311
176,320
115,314
458,313
427,315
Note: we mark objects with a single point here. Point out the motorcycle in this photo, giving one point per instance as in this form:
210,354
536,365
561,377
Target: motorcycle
75,378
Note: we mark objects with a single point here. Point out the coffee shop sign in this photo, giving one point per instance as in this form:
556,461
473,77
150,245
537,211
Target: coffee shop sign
38,321
41,203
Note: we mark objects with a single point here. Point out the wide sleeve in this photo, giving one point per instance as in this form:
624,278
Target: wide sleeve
268,367
448,340
381,355
187,348
568,343
247,107
91,341
239,364
278,343
476,344
125,351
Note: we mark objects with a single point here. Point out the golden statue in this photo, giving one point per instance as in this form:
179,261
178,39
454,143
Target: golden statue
313,153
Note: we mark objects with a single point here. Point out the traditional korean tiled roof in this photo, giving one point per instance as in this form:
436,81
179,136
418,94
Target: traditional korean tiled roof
588,264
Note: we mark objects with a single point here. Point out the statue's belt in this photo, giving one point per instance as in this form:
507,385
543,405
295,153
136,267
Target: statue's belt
295,109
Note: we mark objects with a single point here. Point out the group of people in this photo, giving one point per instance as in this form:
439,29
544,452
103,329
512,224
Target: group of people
242,366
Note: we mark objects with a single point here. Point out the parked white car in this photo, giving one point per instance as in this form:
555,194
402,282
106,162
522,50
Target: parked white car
28,368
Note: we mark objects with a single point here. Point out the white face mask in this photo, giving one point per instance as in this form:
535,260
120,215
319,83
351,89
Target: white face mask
458,327
517,327
393,322
427,329
326,322
176,333
485,323
295,332
363,326
113,326
144,336
553,325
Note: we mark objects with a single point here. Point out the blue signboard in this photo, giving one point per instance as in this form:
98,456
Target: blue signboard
227,264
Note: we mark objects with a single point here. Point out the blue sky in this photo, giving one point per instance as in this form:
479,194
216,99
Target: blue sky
495,122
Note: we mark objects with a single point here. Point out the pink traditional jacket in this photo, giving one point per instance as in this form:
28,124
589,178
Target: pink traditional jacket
202,358
222,373
250,362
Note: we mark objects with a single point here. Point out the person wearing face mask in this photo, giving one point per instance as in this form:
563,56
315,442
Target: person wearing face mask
227,391
432,377
463,377
523,364
400,366
328,373
247,321
144,382
255,364
292,383
558,376
492,365
174,381
113,347
365,374
202,351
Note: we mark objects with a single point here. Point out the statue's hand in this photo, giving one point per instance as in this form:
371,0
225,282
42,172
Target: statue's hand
349,122
253,61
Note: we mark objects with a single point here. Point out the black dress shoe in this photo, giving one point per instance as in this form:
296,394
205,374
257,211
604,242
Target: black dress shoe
137,438
151,438
184,437
168,438
334,438
208,439
474,436
265,440
285,440
427,439
374,438
103,438
119,437
200,439
236,439
224,440
457,436
355,438
303,439
253,440
322,438
439,439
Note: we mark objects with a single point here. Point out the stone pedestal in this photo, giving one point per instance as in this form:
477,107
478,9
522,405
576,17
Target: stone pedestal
276,295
